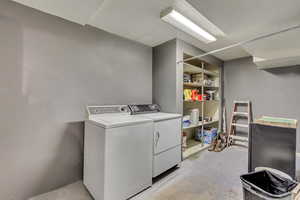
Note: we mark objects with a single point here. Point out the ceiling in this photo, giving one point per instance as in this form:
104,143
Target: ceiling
77,11
242,20
139,20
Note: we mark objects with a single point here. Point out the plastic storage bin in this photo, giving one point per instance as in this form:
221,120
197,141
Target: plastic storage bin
207,136
267,184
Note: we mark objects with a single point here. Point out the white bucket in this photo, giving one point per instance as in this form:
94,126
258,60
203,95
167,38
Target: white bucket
195,116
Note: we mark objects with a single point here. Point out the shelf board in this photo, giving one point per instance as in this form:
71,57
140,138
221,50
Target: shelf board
212,101
193,147
200,124
210,86
190,101
211,122
198,85
192,69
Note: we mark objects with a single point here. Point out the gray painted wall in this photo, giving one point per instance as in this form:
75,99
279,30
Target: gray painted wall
274,92
164,76
49,70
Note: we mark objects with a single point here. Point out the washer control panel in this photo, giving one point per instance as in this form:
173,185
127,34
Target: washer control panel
144,108
96,110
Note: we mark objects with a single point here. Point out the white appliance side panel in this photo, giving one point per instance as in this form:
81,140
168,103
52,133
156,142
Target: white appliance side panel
167,134
129,160
93,169
166,160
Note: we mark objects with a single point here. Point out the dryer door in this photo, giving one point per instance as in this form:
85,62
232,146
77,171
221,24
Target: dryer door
167,134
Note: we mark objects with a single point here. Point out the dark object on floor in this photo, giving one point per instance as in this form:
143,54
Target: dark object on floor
218,143
272,146
266,185
213,145
220,146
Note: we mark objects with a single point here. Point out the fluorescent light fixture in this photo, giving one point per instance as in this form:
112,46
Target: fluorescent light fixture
189,11
186,25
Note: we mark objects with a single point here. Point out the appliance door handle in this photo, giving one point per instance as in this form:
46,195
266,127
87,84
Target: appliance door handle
157,134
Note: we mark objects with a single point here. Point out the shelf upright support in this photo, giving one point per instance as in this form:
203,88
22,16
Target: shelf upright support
202,104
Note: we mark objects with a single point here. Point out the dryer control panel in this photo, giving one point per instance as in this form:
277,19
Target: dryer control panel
144,108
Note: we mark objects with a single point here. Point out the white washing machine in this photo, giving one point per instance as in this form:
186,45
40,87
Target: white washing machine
117,153
166,136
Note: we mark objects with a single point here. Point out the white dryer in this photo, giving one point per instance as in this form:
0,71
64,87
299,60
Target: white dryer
117,152
166,136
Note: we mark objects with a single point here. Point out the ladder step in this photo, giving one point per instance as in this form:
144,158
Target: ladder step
240,125
243,144
241,102
241,114
239,138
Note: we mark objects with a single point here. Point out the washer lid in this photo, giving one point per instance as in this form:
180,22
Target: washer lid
161,116
117,120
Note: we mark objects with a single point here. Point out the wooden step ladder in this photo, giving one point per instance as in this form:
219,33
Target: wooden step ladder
232,138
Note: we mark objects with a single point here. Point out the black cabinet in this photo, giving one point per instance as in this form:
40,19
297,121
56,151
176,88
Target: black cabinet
272,146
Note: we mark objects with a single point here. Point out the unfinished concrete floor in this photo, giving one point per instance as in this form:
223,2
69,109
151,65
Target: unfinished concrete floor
204,176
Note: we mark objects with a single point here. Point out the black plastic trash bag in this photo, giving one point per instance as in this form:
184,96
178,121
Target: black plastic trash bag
269,183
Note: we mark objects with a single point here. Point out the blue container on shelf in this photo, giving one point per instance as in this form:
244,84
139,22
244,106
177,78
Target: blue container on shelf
198,135
207,135
186,122
210,135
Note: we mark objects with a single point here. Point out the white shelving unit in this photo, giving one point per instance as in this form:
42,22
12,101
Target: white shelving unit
199,85
193,147
193,69
168,85
208,108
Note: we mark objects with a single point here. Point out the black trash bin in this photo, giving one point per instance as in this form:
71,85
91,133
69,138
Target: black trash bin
267,185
